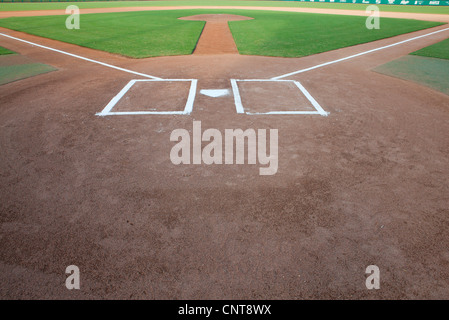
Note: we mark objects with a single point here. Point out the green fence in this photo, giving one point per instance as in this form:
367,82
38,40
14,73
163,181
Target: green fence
395,2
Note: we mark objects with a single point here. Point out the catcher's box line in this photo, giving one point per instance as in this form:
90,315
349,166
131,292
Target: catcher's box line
80,57
356,55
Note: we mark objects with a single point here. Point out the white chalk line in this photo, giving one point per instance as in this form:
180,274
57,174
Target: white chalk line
240,109
237,99
130,113
283,112
187,109
356,55
116,99
192,92
107,110
80,57
191,99
311,99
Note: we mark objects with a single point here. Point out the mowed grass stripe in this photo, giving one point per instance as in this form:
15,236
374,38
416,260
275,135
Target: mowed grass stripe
159,33
438,50
116,4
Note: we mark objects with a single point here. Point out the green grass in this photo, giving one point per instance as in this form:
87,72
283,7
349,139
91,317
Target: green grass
157,33
300,34
133,34
438,50
427,71
22,71
102,4
5,51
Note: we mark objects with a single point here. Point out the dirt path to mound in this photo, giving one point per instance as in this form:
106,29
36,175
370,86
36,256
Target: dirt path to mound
216,37
403,15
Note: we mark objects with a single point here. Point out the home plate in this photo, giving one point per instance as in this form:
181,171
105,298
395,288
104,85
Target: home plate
215,93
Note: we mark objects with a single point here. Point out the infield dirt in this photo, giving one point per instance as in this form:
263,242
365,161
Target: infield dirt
365,185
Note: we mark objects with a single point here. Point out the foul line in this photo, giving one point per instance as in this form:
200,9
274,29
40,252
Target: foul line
82,58
355,55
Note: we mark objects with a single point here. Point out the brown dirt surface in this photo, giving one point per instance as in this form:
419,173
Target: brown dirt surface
365,185
216,37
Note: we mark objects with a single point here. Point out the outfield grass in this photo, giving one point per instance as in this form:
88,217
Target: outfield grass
132,34
301,34
438,50
102,4
5,51
158,33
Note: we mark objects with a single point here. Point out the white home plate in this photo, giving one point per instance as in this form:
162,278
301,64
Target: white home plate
215,93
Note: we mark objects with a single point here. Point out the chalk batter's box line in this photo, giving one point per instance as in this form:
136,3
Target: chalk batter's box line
240,109
187,109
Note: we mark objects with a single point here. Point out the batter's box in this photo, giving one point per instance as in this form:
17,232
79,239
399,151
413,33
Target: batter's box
153,96
266,97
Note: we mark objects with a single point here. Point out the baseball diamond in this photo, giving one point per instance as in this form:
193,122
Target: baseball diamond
210,150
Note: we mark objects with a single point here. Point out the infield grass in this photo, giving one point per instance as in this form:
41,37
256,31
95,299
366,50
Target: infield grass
116,4
438,50
159,33
301,34
133,34
4,51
